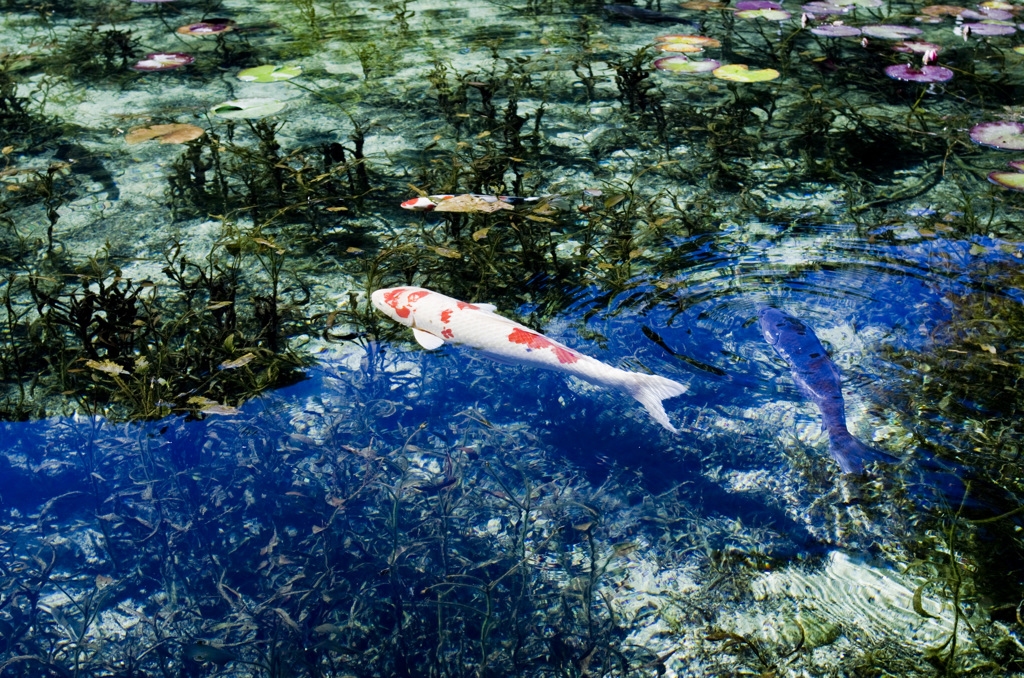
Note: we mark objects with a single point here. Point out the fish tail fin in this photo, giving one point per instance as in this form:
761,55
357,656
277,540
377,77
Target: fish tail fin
852,455
650,390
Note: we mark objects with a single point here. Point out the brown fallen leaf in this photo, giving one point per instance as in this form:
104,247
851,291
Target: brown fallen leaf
177,133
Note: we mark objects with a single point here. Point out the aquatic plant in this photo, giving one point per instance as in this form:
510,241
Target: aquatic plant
93,53
631,79
23,119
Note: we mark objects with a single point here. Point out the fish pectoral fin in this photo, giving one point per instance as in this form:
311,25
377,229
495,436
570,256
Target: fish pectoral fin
427,340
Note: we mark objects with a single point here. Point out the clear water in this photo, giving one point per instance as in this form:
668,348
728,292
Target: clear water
219,459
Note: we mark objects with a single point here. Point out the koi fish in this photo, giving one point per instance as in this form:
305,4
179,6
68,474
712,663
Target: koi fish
818,379
436,319
478,200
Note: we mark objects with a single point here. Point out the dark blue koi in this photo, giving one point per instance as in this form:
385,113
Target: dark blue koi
818,379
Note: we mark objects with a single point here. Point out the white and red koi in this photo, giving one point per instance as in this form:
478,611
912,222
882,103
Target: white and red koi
437,319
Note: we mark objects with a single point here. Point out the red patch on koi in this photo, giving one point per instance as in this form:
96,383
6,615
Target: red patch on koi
391,299
446,315
447,333
533,340
463,306
416,296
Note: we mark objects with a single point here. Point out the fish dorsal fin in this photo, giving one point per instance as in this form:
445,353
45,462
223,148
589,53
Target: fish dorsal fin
487,308
427,340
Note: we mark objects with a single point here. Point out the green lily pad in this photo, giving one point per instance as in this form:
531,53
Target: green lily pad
269,73
768,14
238,109
742,73
680,64
1011,180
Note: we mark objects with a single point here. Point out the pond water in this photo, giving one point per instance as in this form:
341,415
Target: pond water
218,458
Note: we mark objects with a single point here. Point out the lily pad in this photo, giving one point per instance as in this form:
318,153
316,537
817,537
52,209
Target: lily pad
922,74
943,10
209,27
238,109
269,73
836,31
744,5
890,32
680,47
766,14
821,7
704,5
916,46
177,133
986,14
163,61
1011,180
999,4
1017,165
680,64
991,28
742,73
1006,135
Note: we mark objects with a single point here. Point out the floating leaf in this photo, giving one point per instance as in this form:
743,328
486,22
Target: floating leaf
890,32
990,28
943,10
207,406
685,43
237,362
209,27
767,14
108,366
836,31
480,234
269,73
177,133
987,14
1008,136
742,73
163,61
238,109
919,74
447,252
820,7
744,5
1012,180
916,47
703,5
680,64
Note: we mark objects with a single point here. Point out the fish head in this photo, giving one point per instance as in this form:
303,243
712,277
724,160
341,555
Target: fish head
419,204
398,303
773,323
